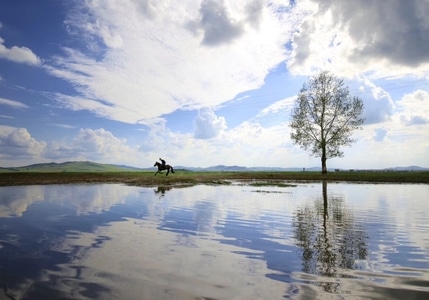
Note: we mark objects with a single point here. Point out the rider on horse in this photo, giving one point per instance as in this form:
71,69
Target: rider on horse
163,166
163,162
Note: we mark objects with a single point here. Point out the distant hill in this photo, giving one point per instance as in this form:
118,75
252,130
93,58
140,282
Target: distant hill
88,166
71,166
409,168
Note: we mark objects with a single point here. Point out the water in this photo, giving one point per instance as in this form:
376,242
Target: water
311,241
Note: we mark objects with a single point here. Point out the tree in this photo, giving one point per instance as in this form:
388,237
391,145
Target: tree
324,117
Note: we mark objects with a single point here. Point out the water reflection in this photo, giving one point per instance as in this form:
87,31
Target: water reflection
36,224
14,201
214,242
329,239
160,190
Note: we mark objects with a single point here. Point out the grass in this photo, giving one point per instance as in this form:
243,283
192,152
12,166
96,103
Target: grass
271,183
72,166
192,178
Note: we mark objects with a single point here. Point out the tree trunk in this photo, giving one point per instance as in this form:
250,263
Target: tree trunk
324,169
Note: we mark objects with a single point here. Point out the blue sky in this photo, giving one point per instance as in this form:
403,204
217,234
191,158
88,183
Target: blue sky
202,83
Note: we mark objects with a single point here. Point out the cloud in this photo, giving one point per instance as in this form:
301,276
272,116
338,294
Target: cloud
378,103
66,126
395,30
96,145
359,36
94,199
248,144
18,54
404,135
150,63
416,120
217,25
17,143
413,108
208,125
251,144
282,106
389,145
12,103
98,142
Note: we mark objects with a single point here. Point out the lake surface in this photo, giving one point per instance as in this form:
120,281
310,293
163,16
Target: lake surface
309,241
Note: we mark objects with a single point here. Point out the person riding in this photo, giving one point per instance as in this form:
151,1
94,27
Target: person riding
163,166
163,162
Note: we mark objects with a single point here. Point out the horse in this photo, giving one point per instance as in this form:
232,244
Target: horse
161,167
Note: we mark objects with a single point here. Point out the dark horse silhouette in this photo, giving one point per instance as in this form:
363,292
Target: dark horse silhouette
161,167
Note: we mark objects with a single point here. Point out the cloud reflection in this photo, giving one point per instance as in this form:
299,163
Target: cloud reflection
15,200
215,242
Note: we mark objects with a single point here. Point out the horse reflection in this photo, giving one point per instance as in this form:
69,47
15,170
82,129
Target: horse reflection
162,189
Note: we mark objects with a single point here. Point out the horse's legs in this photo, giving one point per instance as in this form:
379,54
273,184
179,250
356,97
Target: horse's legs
168,171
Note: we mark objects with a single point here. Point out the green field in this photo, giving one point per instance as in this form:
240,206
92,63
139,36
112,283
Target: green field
91,172
78,166
181,177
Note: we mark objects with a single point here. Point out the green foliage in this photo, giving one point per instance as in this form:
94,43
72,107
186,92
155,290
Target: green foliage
325,116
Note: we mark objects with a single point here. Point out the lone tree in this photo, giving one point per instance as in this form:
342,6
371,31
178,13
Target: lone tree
324,117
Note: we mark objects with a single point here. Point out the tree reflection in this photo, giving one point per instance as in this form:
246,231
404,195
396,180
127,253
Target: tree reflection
329,238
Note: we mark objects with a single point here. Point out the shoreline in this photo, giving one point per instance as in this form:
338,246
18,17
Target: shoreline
193,178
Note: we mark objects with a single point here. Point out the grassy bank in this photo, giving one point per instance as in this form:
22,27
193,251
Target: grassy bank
184,177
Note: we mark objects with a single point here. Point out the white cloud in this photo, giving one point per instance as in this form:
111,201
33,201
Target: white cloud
168,55
249,144
400,146
17,144
12,103
414,108
400,140
66,126
99,141
97,145
378,103
349,37
283,106
208,125
18,54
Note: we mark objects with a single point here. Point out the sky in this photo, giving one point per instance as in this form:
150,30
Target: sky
204,83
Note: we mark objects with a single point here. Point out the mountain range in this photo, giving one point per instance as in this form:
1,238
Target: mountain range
88,166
